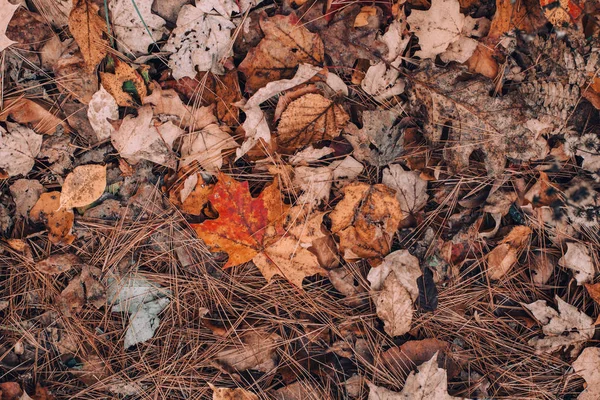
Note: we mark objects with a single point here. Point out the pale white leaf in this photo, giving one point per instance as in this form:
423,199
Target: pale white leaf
586,366
206,147
131,29
411,190
394,306
18,149
310,154
101,108
84,185
579,260
404,265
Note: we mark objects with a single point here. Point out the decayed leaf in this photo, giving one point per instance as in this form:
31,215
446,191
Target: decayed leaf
30,113
58,221
18,149
586,366
143,300
287,43
366,220
430,383
26,193
501,259
67,71
8,9
201,40
257,351
55,11
89,29
567,327
101,108
168,102
138,138
231,394
309,119
579,260
131,23
85,287
57,263
83,186
114,83
411,190
206,147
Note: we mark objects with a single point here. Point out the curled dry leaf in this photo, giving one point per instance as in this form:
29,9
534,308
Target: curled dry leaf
39,117
567,328
133,23
231,394
83,186
101,108
365,220
18,149
26,193
404,265
57,263
59,222
8,10
287,43
411,190
309,119
586,366
579,260
89,30
114,83
257,351
542,267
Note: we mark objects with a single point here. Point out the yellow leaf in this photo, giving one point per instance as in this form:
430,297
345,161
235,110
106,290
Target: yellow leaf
83,186
113,83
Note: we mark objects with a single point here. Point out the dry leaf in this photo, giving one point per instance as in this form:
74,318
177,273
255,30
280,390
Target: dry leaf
231,394
430,383
200,42
586,366
542,267
57,263
36,116
83,186
113,83
394,306
257,351
501,259
510,15
482,61
190,193
309,119
18,149
131,22
101,108
26,193
411,190
8,9
567,328
55,11
579,260
287,43
59,222
404,265
67,71
366,220
206,147
89,30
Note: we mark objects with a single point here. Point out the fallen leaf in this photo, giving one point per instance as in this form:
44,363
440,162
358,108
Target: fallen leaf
200,42
26,193
586,366
35,115
231,394
190,193
366,220
501,259
309,155
542,267
309,119
59,222
8,10
55,11
85,287
256,351
135,26
57,263
101,108
429,383
394,306
29,30
18,149
142,300
11,391
567,328
299,390
206,147
482,61
83,186
67,71
401,263
509,16
411,190
138,138
89,30
168,102
286,44
562,12
579,260
113,83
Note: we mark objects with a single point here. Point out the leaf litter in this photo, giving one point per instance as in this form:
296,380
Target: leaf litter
299,199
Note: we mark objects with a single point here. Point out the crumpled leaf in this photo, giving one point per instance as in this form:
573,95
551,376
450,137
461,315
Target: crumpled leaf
89,31
102,107
131,29
429,383
8,9
201,41
26,193
18,149
257,351
114,83
444,30
411,190
83,186
143,300
579,260
586,366
379,141
231,394
206,147
255,125
138,138
59,222
309,119
287,43
366,220
567,327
